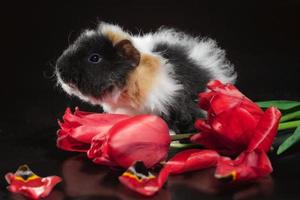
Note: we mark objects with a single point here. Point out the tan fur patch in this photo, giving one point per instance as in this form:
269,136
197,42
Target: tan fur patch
141,80
115,37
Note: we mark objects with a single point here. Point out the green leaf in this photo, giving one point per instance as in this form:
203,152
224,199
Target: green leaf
290,141
288,125
280,104
289,116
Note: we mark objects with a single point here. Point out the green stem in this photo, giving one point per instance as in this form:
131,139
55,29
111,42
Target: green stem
289,125
180,145
181,136
290,116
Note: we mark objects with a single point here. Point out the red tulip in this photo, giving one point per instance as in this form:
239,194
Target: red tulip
25,182
113,139
140,138
78,129
232,119
253,162
234,126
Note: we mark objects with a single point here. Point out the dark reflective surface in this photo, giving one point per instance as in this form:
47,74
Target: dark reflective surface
261,39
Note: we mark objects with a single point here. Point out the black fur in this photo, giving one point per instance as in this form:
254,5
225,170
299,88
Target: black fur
93,79
193,78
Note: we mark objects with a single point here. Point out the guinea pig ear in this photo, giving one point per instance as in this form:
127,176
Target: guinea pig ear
126,49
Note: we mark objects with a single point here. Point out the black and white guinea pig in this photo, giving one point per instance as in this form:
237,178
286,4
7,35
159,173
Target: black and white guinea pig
159,73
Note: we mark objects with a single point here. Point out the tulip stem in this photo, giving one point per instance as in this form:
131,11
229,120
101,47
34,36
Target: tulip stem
181,136
288,125
178,145
290,116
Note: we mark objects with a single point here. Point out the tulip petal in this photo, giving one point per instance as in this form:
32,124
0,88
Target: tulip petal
142,137
228,92
139,179
247,166
25,182
225,96
266,130
185,161
204,99
86,133
208,140
93,120
78,128
67,143
234,127
227,89
191,160
221,102
202,125
99,152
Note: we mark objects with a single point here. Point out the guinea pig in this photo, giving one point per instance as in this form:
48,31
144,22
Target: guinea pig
158,73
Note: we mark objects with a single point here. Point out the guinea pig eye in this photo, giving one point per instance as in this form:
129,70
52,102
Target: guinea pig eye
94,58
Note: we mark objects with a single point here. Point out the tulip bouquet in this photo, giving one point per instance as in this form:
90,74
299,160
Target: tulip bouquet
235,138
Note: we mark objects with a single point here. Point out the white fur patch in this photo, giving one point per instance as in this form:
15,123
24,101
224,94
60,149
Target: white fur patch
204,51
210,57
105,28
89,33
164,90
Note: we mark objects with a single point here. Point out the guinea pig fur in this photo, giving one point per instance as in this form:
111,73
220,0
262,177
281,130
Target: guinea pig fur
159,73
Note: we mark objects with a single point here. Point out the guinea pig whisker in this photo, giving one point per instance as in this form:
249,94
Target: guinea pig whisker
49,73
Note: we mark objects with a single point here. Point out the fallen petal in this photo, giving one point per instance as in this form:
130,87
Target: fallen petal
247,166
139,179
185,161
25,182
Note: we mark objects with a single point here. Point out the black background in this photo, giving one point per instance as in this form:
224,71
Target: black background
261,39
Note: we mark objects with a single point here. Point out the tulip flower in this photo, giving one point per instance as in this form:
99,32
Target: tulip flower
235,126
114,139
25,182
139,138
77,130
232,120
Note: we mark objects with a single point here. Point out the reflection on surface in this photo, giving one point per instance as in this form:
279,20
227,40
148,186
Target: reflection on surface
86,181
203,184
